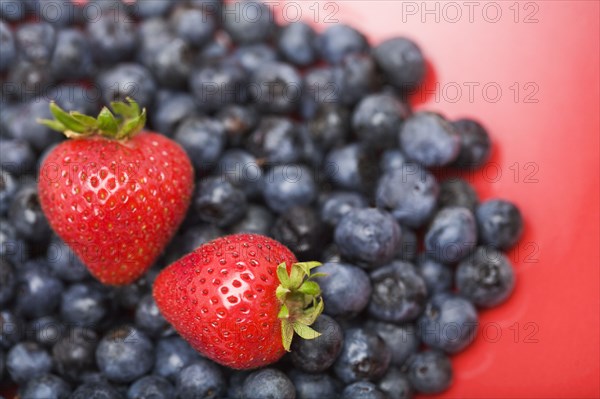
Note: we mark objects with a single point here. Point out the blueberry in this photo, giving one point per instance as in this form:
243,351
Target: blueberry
297,42
127,80
203,139
84,304
339,203
500,223
11,329
276,87
438,277
253,57
449,323
148,317
12,247
124,354
475,144
238,121
330,125
8,281
457,192
364,356
401,61
402,340
58,13
113,36
452,235
95,390
430,372
195,236
218,201
171,64
352,167
486,277
13,10
26,361
376,119
170,109
153,34
8,188
286,186
215,52
311,153
150,9
299,229
39,291
409,245
395,384
64,263
128,296
27,80
268,383
362,390
392,159
317,355
311,386
427,138
218,84
151,386
2,363
248,21
18,157
236,383
340,40
72,57
360,78
76,97
172,355
45,386
258,220
368,236
399,292
8,49
213,8
242,170
36,41
321,86
276,140
20,123
74,353
201,379
193,25
334,289
46,330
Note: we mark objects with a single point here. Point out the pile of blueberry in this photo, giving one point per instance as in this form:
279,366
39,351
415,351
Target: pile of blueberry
302,136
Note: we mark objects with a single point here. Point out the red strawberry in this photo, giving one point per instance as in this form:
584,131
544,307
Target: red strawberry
239,299
116,197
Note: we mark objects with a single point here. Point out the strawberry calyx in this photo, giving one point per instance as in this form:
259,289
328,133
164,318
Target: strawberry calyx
300,299
125,121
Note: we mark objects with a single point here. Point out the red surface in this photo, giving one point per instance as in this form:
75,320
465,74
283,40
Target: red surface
553,143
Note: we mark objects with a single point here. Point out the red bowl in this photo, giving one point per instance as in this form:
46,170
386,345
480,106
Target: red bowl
529,71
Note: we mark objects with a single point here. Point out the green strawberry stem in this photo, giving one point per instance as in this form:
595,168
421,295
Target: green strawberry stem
126,121
301,301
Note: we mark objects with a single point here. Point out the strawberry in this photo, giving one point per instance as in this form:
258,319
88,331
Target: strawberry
239,299
115,196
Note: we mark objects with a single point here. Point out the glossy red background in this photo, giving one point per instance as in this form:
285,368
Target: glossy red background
554,144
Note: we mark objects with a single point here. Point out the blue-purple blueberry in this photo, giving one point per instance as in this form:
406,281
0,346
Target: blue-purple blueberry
399,293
